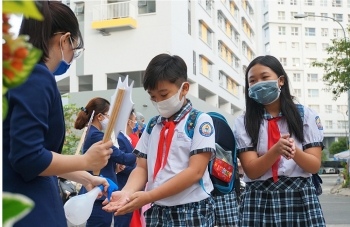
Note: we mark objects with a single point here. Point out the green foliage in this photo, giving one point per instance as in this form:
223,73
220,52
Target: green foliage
338,146
337,66
324,156
15,207
72,136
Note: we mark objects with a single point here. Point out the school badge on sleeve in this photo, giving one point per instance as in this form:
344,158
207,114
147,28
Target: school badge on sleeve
318,123
206,129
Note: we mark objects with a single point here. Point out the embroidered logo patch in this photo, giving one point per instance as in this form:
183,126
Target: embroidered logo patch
318,123
180,135
206,129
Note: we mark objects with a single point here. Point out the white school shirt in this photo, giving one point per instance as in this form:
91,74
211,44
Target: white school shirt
313,136
182,147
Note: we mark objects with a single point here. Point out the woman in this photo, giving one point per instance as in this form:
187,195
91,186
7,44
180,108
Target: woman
279,145
99,217
34,129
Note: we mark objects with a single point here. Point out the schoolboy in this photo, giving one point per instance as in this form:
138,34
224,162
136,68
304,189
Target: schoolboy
172,162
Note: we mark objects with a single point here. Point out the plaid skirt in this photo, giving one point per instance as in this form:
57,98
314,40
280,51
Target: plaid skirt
226,210
198,214
290,202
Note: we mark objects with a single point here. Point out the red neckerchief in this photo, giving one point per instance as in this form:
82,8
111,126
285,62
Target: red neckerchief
273,136
161,161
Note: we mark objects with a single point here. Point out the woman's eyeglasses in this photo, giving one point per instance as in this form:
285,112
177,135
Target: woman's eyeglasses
77,51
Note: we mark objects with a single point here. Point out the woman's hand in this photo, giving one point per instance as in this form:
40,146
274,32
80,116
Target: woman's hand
284,146
96,181
96,157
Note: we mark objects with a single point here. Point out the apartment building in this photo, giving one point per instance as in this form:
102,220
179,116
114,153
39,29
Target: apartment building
217,39
297,43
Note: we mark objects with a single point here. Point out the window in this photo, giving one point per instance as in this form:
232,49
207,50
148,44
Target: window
189,18
342,124
147,6
328,124
266,17
194,63
281,30
338,33
311,46
232,86
337,3
342,108
293,2
207,5
296,62
266,32
205,33
312,93
295,45
283,46
281,15
310,31
324,32
79,8
297,93
323,15
296,77
325,46
309,2
328,108
280,2
349,18
205,67
312,78
283,61
267,47
294,31
292,14
311,16
348,3
323,2
310,60
338,17
315,107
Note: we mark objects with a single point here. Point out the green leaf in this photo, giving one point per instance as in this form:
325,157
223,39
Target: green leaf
4,107
15,207
28,65
27,8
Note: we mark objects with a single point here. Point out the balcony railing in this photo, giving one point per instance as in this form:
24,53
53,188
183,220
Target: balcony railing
119,14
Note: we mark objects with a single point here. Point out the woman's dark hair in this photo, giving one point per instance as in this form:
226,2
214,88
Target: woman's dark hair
165,67
255,111
100,105
58,17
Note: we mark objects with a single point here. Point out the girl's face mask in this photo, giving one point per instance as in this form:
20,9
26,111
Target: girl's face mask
104,123
265,92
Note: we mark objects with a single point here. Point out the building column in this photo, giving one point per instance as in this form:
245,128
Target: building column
73,78
193,89
226,107
212,100
99,81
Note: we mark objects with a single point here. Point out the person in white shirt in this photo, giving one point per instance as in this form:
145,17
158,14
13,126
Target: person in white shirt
279,145
171,158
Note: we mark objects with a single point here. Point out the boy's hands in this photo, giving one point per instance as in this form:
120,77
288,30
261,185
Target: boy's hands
96,157
121,203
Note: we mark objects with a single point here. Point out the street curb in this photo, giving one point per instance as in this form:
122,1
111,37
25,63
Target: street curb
339,190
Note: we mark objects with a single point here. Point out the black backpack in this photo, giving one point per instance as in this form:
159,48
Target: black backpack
67,189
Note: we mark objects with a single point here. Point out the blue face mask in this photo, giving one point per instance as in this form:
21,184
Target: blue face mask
265,92
135,128
63,66
143,128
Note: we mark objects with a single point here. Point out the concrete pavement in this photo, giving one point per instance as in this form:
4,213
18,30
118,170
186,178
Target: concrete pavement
338,190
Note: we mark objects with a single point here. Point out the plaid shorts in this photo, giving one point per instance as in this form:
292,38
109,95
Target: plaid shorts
290,202
226,210
197,214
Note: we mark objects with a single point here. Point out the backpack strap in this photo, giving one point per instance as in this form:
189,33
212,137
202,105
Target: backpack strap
191,122
151,124
301,111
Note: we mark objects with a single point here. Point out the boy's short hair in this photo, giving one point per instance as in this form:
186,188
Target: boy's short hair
167,67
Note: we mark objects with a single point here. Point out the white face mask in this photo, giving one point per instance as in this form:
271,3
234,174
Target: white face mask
170,106
104,123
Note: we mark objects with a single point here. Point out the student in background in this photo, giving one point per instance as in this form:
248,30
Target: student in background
99,217
279,145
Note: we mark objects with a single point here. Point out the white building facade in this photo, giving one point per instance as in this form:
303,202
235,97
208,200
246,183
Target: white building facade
217,40
297,43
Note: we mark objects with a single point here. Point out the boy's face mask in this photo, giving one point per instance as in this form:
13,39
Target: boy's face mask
134,129
170,106
265,92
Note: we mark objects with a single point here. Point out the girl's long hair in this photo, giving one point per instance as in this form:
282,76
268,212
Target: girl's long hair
255,111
